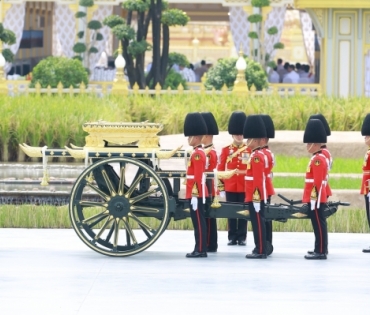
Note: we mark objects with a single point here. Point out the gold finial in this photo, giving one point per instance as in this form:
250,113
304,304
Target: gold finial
241,53
119,50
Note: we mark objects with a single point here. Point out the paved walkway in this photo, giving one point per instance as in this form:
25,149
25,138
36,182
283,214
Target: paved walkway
51,272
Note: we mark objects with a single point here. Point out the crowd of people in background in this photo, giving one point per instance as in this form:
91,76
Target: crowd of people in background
290,73
283,73
191,73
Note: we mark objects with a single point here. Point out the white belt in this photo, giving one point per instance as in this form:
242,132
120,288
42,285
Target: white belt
190,176
251,178
311,181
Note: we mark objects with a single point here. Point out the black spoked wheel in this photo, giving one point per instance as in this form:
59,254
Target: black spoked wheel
119,206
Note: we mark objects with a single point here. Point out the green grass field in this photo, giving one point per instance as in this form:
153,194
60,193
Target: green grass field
298,182
285,164
344,221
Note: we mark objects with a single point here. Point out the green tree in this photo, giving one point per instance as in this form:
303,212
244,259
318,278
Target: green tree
85,47
134,43
224,72
260,55
52,70
7,37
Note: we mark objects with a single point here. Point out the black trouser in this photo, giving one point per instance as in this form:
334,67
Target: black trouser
237,227
367,209
211,233
211,228
259,227
210,222
320,229
200,228
268,225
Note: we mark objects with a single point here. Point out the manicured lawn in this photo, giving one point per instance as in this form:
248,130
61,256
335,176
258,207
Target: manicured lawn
285,164
335,183
344,221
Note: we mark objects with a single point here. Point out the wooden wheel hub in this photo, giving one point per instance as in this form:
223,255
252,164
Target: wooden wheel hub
119,207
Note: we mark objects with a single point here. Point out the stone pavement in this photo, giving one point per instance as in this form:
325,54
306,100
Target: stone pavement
51,272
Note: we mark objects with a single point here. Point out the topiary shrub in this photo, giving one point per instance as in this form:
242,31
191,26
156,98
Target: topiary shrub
53,70
224,72
173,80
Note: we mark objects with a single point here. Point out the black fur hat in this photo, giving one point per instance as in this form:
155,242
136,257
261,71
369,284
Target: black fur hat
314,132
269,124
322,118
365,129
212,128
236,123
194,125
254,128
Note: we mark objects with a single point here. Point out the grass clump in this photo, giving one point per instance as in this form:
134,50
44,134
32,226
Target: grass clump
57,120
29,216
287,164
335,183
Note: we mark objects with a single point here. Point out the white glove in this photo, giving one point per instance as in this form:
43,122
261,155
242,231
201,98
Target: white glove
313,204
257,206
194,203
368,196
222,194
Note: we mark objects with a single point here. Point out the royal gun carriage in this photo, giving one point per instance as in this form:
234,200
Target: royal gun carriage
123,201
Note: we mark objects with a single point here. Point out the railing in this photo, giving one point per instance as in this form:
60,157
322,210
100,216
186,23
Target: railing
15,88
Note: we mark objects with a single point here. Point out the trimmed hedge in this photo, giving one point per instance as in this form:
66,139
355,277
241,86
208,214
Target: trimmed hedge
57,121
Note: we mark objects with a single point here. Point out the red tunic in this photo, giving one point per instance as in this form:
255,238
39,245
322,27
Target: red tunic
270,164
211,163
234,157
255,184
194,174
327,154
365,185
315,182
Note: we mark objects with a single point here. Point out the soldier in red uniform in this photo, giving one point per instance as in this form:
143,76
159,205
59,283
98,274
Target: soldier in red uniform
270,162
255,183
211,164
196,190
315,187
365,186
325,149
235,156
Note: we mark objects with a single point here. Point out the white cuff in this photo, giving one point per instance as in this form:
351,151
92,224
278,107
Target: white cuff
257,206
194,203
313,204
222,194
